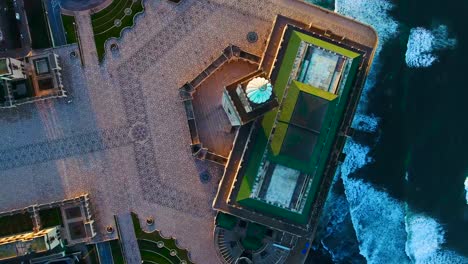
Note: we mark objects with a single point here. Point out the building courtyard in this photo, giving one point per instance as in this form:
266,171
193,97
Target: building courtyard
122,136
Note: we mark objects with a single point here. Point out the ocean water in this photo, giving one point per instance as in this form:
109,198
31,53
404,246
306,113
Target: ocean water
401,195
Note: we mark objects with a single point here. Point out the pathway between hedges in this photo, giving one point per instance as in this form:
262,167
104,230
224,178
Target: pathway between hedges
86,35
128,238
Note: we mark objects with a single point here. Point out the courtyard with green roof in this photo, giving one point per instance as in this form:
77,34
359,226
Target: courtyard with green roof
293,142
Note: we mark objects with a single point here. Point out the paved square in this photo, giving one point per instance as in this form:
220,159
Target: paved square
124,138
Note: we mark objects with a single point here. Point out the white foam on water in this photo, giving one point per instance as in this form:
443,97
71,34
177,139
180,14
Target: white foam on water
356,157
425,236
425,239
466,190
366,123
422,44
419,48
377,218
376,14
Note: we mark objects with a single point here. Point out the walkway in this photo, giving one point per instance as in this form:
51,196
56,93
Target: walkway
128,238
86,35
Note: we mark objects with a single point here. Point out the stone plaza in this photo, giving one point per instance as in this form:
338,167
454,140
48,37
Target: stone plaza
122,134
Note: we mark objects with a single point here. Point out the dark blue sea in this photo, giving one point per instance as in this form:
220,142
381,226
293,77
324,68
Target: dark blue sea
400,196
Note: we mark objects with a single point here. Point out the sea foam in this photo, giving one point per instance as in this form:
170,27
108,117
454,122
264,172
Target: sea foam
366,123
466,190
423,43
378,219
376,14
425,239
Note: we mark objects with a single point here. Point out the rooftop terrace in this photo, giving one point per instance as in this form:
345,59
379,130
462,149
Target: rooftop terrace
214,128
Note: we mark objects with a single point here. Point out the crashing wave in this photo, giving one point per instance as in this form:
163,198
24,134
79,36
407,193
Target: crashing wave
422,43
366,123
376,14
466,190
373,212
356,157
425,236
425,239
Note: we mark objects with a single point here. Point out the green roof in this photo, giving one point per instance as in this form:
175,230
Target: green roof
327,45
226,221
305,129
301,127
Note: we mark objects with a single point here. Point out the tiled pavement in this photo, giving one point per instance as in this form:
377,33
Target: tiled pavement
128,238
124,137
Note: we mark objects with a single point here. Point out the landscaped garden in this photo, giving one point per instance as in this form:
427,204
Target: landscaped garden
68,25
156,249
117,255
109,22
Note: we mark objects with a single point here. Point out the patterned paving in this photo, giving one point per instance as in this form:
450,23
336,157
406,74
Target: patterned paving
128,115
63,148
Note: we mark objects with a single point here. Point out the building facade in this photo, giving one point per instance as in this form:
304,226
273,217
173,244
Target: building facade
30,79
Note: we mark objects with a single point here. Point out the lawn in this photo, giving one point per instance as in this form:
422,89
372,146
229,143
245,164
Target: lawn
37,24
117,255
51,217
70,31
15,224
150,252
104,22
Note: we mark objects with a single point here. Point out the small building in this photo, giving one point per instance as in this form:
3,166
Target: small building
248,98
30,79
32,242
11,69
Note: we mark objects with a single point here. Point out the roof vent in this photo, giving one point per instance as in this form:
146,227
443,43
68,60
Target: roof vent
259,90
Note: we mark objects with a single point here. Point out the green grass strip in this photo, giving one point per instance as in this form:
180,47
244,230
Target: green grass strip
115,32
145,238
70,32
104,23
117,255
115,5
154,257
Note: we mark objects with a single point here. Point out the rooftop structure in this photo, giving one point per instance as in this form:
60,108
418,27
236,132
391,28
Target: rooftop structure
291,149
243,102
279,162
11,69
33,78
32,242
